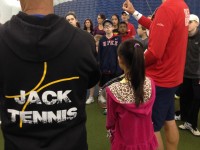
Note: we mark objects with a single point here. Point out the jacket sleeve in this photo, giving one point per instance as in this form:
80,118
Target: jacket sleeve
144,21
160,31
111,115
100,47
1,73
1,88
1,91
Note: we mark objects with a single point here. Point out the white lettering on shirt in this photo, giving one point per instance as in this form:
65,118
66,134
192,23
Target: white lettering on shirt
187,16
48,97
34,117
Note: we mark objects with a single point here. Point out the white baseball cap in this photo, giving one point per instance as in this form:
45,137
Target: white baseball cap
125,12
194,18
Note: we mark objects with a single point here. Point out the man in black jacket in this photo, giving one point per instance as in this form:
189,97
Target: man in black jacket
46,66
190,88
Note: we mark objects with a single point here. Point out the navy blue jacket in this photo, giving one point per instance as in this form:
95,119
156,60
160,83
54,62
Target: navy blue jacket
107,55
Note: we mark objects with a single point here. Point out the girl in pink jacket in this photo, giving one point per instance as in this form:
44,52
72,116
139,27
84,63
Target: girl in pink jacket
130,101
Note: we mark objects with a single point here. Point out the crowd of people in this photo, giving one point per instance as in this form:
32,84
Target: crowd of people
108,38
45,75
166,82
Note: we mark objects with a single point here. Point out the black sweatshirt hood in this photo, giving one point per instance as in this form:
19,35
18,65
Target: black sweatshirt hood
47,35
46,66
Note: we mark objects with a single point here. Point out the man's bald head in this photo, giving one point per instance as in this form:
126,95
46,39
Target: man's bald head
37,6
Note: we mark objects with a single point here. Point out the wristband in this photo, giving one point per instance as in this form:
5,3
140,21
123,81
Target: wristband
137,15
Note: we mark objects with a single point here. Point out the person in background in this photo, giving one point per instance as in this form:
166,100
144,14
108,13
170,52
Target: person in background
43,94
88,26
92,90
166,50
190,88
99,28
130,102
131,29
115,21
71,18
143,38
107,56
123,31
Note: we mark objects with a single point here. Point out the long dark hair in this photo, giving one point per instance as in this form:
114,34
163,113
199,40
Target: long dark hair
102,16
117,16
91,25
132,53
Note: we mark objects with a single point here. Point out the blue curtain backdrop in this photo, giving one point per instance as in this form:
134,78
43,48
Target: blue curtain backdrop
90,8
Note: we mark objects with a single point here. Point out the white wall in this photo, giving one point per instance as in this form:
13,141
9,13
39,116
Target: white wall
12,7
7,9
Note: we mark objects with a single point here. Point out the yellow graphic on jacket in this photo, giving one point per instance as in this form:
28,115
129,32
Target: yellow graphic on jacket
34,117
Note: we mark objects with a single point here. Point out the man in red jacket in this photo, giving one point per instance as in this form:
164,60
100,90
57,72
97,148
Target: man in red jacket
164,61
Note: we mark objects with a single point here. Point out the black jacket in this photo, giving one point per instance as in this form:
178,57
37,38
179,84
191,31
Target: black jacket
46,66
192,65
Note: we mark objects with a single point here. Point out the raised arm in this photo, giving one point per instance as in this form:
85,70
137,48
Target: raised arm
144,21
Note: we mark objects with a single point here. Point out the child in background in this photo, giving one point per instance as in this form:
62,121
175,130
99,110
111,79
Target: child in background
115,21
123,31
107,55
130,102
125,16
143,37
91,91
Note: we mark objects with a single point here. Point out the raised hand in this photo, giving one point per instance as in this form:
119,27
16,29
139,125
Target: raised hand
128,6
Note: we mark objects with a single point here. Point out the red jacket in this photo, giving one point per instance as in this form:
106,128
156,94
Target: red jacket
131,30
165,57
126,37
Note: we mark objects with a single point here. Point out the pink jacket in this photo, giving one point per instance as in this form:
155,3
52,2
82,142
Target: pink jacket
131,127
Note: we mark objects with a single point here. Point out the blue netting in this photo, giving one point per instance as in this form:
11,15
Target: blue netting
90,8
